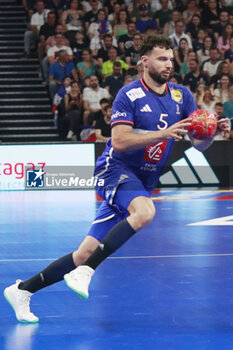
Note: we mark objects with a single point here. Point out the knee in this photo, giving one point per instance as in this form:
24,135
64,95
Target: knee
81,255
145,216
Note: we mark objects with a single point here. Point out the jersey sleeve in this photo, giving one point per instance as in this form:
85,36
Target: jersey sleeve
189,103
122,110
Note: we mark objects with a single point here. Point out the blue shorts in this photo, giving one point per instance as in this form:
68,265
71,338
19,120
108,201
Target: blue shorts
120,187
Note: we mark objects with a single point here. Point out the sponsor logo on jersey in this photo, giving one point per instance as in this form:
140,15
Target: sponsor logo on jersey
134,94
146,108
118,114
177,96
155,152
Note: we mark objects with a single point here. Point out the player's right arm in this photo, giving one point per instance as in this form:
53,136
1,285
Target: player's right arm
123,122
123,139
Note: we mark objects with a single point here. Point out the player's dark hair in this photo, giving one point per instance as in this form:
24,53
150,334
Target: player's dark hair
152,41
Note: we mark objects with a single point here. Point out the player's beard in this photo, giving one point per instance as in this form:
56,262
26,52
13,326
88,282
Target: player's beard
158,78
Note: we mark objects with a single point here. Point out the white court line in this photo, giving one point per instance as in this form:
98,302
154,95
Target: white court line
132,257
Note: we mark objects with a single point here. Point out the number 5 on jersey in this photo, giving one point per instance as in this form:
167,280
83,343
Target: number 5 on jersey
163,121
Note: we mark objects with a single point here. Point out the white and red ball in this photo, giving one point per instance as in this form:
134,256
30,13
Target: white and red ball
203,124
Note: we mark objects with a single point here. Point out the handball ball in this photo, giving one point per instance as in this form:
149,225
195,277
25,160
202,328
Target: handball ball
203,124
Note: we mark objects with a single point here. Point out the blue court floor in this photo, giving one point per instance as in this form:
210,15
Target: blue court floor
169,288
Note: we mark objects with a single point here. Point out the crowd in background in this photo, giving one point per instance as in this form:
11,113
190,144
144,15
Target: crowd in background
89,49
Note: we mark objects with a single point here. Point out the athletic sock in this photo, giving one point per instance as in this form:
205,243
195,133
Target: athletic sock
50,275
116,237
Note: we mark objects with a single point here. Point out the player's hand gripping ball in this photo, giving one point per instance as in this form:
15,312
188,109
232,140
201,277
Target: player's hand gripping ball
203,124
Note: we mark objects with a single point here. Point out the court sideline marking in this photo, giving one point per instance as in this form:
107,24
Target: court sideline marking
132,257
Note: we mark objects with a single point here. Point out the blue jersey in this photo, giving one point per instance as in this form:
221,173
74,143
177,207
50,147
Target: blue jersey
136,105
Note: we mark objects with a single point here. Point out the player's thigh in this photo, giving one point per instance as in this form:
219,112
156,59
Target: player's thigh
106,218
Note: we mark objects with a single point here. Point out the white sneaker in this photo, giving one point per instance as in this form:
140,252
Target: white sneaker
20,302
79,279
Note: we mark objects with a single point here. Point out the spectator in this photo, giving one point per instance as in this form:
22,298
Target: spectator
195,77
198,43
72,19
184,68
31,36
63,89
93,117
164,15
102,54
199,94
128,79
92,15
86,67
210,15
101,24
107,68
150,30
223,69
97,42
62,68
121,26
86,82
169,27
210,66
73,109
51,41
91,98
219,111
109,5
87,7
30,7
224,40
176,78
133,9
208,102
140,69
229,53
204,53
181,54
57,6
179,34
114,82
157,5
113,14
193,27
228,106
52,52
103,127
191,11
46,30
77,46
125,41
223,92
132,55
219,28
144,19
